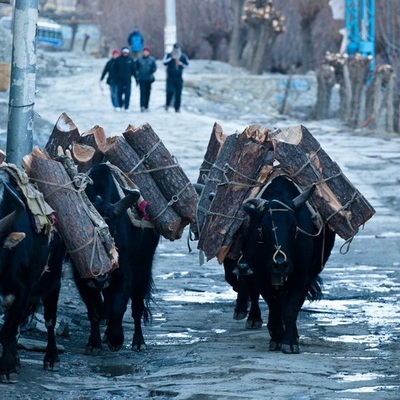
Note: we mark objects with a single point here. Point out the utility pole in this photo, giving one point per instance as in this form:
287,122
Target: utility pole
170,25
23,81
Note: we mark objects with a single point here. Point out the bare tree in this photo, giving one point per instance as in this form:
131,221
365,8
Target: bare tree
238,32
265,23
309,10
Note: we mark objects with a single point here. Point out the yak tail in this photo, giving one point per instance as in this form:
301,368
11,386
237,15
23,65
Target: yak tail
147,316
315,290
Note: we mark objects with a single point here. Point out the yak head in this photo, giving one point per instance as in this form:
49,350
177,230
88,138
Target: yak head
273,230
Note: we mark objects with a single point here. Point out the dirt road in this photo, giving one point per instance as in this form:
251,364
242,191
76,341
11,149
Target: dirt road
195,350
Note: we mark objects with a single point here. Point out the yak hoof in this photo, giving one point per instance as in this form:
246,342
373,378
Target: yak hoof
254,323
239,315
274,346
138,346
290,349
92,351
53,366
12,377
114,347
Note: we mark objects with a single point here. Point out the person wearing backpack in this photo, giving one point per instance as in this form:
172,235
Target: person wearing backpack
135,40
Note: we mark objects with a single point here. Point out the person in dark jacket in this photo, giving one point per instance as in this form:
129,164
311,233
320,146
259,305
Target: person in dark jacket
109,70
145,68
124,70
176,62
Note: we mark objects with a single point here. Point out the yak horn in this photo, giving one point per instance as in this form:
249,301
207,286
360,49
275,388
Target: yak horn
257,203
303,197
121,206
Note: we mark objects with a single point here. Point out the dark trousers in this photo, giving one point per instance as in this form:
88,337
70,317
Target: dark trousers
145,90
124,94
174,90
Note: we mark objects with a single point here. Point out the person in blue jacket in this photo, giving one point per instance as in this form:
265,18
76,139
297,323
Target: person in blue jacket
135,40
175,61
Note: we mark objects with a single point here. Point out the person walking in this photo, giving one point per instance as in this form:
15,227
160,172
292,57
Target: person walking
109,70
176,62
145,68
135,40
124,70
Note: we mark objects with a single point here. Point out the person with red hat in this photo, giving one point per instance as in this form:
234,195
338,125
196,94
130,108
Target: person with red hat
111,80
145,67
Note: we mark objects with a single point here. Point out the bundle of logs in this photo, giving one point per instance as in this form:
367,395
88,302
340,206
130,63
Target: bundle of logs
139,159
237,166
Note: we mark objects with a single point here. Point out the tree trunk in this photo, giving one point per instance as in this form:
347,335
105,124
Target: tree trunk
306,45
250,47
358,72
235,45
326,81
389,104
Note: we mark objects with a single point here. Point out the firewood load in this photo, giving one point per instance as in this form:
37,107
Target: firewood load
164,169
161,213
237,174
141,155
241,169
83,230
340,204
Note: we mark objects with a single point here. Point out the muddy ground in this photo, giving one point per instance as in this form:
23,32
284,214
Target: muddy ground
195,350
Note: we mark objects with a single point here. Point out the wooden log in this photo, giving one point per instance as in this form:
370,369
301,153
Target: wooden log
215,177
96,138
64,134
83,156
340,204
161,214
77,229
241,172
217,139
79,179
165,171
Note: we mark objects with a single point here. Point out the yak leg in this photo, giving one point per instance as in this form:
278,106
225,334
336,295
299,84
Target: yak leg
240,286
49,289
9,360
51,359
141,285
291,308
138,310
275,325
94,305
254,320
116,299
